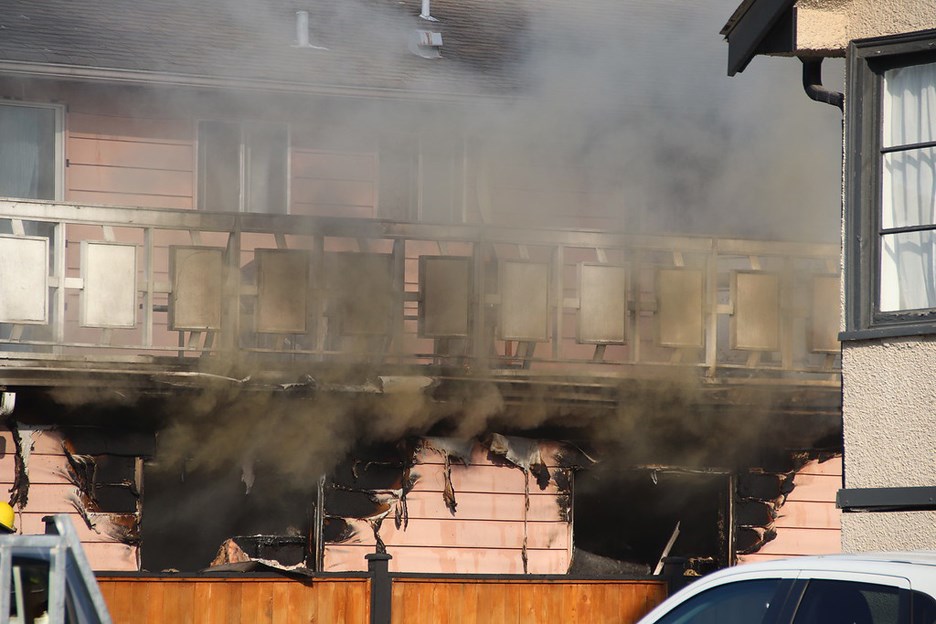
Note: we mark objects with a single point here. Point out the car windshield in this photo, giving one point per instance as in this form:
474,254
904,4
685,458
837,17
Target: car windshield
744,602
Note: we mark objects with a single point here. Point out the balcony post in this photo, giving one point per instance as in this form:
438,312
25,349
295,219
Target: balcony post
230,312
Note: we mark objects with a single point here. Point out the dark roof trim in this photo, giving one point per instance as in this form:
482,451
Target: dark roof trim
750,25
143,77
887,499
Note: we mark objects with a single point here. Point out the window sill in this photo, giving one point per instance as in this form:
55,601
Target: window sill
889,331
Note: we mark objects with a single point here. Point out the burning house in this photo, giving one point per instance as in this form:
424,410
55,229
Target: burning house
293,284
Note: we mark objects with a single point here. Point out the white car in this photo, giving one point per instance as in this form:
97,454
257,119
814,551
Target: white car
866,588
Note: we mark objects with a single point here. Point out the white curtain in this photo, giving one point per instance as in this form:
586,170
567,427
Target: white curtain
908,261
21,142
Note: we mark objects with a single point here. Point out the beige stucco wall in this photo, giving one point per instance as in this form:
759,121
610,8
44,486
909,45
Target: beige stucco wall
892,531
889,406
826,26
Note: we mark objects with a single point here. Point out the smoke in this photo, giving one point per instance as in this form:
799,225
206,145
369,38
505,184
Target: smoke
632,99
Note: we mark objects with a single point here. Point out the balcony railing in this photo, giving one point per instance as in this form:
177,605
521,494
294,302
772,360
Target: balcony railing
177,288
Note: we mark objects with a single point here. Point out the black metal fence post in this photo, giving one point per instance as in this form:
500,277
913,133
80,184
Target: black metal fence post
381,596
674,572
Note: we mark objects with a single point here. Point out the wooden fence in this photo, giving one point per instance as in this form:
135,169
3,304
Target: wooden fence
347,599
494,601
237,600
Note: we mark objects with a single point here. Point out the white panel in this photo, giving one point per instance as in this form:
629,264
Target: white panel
362,296
602,316
24,277
755,324
197,275
680,308
282,291
109,296
524,301
444,286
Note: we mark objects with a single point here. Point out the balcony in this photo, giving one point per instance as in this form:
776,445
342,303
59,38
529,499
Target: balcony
144,296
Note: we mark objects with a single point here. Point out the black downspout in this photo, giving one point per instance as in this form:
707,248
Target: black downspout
812,83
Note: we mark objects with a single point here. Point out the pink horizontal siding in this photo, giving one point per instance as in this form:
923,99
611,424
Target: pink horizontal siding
487,531
130,161
456,533
480,560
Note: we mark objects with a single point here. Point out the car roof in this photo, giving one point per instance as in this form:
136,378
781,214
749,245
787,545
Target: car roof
915,565
918,557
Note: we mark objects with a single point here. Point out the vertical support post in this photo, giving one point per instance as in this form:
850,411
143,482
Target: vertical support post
6,577
149,294
319,528
319,292
711,308
479,345
787,310
633,289
378,565
559,299
395,339
58,270
230,312
57,583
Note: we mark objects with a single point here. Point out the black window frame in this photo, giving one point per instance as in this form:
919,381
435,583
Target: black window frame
868,59
798,595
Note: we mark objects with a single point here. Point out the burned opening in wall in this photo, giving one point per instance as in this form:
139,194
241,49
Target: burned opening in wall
624,519
191,512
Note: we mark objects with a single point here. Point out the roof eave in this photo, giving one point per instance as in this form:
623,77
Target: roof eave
752,23
146,77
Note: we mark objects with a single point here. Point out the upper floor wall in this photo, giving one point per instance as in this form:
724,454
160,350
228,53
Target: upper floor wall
827,26
247,152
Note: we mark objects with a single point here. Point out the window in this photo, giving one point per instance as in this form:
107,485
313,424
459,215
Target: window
891,186
848,602
743,602
29,139
924,608
242,167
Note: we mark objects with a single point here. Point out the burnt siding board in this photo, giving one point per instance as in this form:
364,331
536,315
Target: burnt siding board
108,539
798,518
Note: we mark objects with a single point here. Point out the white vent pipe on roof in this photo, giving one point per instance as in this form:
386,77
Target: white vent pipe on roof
302,32
302,29
426,14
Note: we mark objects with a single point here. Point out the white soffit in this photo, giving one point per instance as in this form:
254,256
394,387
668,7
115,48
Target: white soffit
109,293
24,280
